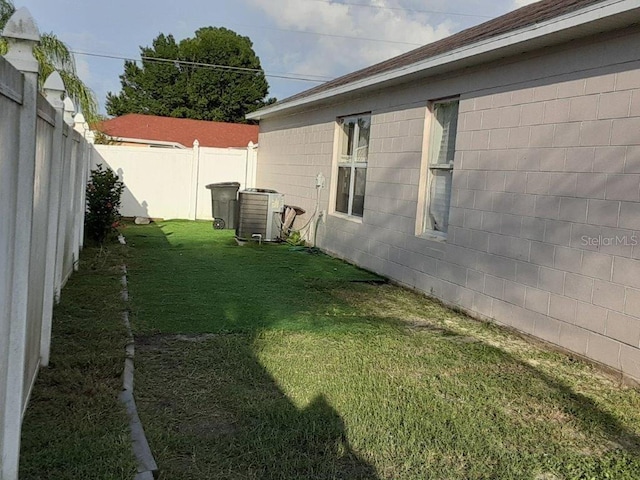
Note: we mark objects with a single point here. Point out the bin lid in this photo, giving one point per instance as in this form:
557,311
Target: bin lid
223,185
259,190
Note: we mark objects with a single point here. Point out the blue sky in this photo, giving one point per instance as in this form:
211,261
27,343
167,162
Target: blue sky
285,33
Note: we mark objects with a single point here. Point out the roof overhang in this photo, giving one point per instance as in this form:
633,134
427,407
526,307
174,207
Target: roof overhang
600,17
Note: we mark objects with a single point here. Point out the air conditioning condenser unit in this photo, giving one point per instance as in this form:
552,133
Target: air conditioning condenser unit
259,215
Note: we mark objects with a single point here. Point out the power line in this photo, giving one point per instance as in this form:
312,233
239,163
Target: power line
432,12
286,76
334,35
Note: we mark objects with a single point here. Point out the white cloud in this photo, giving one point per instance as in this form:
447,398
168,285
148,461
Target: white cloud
522,3
397,31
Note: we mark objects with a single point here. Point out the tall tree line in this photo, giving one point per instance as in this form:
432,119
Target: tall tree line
215,75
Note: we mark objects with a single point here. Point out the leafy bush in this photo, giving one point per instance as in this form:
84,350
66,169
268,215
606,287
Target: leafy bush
295,239
103,203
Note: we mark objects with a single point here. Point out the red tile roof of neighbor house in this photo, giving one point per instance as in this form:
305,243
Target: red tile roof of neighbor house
180,130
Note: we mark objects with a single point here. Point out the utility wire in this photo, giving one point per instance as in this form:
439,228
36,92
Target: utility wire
335,35
286,76
378,7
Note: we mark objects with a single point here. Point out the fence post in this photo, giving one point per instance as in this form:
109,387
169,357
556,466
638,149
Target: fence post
82,127
64,200
252,164
54,91
78,187
22,36
195,173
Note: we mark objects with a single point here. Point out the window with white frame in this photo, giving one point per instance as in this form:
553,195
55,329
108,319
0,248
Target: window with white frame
353,150
442,142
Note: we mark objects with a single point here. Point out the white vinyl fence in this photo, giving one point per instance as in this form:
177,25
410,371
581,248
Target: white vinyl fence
43,171
171,183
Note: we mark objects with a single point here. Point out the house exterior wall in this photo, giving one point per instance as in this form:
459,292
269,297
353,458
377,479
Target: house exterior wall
544,231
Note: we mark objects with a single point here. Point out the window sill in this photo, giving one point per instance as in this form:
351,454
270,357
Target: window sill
344,216
434,236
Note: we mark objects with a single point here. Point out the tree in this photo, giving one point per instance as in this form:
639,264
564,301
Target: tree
53,54
215,75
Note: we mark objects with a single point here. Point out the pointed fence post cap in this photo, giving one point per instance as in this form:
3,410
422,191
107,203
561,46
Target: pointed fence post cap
54,89
69,109
54,82
21,26
22,36
79,123
196,143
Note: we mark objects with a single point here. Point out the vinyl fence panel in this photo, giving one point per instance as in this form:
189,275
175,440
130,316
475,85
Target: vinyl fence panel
43,165
171,183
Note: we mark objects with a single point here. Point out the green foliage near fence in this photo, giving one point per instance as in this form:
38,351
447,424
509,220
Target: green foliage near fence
104,192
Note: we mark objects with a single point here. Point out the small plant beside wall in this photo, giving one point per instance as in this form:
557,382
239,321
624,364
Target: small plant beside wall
295,238
103,203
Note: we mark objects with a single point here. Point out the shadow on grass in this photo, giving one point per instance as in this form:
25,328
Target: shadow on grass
493,377
220,414
456,406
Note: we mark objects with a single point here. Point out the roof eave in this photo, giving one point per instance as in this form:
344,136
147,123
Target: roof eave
611,15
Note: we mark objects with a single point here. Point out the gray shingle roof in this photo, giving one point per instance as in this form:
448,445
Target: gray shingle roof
523,17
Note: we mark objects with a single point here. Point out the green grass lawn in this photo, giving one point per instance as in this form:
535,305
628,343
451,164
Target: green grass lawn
75,427
192,279
263,362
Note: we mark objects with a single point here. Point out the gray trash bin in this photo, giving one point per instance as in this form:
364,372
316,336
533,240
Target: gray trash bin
224,204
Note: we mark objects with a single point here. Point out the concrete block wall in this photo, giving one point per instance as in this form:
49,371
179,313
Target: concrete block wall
296,156
547,192
544,231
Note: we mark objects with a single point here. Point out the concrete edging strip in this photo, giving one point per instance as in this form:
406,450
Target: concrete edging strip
147,468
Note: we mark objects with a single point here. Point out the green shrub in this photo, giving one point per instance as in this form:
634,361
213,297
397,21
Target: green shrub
295,239
103,203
